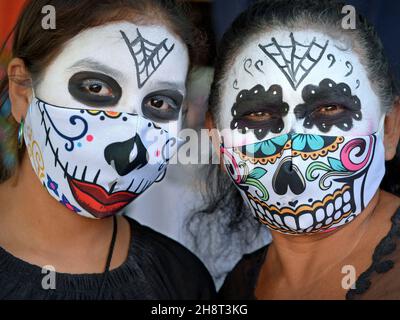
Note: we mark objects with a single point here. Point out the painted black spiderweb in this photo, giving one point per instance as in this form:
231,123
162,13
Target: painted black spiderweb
295,60
148,56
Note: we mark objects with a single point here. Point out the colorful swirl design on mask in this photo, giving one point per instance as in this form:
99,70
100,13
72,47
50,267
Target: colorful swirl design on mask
247,178
343,167
35,153
349,148
305,145
73,120
108,114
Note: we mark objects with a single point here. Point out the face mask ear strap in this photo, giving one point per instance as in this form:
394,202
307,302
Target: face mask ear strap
381,128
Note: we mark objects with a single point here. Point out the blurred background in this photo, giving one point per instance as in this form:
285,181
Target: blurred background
167,205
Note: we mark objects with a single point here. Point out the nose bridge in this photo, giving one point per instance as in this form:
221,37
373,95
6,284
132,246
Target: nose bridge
288,176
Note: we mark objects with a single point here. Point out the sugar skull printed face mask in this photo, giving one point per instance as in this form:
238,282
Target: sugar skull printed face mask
95,162
302,130
304,183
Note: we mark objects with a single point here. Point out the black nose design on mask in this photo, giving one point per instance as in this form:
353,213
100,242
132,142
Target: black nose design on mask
287,176
126,156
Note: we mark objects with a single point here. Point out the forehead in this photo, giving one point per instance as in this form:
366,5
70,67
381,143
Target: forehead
294,59
107,47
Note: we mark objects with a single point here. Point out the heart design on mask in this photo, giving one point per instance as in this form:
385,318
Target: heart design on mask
286,176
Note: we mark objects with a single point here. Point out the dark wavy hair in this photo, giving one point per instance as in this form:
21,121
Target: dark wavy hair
224,205
38,47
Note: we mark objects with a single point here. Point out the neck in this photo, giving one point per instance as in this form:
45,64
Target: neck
304,256
31,217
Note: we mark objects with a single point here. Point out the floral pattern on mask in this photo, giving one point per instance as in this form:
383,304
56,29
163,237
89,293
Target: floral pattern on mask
305,195
304,145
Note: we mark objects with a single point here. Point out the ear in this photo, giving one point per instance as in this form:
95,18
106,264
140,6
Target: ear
19,88
392,131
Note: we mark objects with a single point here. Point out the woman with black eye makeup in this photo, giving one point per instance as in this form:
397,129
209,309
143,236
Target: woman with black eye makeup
92,111
306,114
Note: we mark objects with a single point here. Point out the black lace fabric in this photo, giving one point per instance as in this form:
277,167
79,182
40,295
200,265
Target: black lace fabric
157,267
381,281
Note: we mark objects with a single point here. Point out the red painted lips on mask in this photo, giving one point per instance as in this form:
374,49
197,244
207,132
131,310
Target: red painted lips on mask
96,200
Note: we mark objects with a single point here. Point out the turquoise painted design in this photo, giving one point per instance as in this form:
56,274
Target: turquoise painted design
300,143
268,147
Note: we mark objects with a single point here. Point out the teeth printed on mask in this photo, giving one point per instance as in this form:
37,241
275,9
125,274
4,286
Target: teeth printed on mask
329,209
305,220
347,208
113,187
74,174
338,203
96,177
66,170
277,219
84,174
334,170
320,214
346,197
302,219
290,222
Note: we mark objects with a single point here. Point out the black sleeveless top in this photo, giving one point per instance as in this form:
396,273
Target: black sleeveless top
157,267
380,281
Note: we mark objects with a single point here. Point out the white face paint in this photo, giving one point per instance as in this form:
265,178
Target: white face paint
105,119
104,50
351,106
303,140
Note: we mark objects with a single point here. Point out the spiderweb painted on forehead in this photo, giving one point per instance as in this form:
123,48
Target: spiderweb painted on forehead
148,56
295,60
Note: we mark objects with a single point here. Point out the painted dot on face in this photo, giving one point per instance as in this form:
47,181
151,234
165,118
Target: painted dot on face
79,144
89,138
102,118
125,119
158,153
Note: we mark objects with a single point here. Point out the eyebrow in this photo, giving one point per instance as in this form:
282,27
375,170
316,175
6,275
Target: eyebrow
93,64
180,86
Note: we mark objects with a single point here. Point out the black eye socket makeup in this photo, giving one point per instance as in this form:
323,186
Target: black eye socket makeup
327,105
94,89
259,110
162,106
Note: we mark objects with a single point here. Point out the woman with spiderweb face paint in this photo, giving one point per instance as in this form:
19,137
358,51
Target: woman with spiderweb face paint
98,107
306,118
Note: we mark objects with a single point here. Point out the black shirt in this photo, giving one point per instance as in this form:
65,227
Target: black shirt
157,267
380,281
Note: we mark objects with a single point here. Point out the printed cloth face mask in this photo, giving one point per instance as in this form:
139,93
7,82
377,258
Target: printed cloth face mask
305,183
95,162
